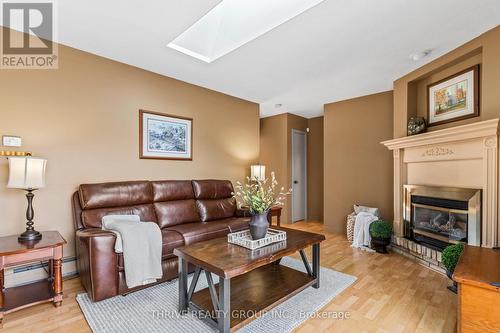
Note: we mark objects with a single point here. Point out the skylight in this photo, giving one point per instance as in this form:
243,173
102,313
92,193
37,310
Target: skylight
233,23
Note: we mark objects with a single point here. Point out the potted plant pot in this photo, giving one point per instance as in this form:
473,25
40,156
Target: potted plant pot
450,256
259,225
380,232
380,244
453,288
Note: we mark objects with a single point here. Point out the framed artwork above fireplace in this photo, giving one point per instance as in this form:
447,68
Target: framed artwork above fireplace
454,98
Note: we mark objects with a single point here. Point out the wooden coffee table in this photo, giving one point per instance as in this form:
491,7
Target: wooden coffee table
249,281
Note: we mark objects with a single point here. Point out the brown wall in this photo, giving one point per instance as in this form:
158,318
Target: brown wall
410,90
273,151
315,169
358,169
83,118
276,155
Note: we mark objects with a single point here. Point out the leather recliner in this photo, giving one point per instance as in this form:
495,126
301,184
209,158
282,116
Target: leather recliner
186,212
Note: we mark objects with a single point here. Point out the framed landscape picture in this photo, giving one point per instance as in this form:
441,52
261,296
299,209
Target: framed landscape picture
164,136
454,98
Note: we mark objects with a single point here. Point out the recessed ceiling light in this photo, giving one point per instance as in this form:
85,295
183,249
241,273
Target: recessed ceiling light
278,105
233,23
416,56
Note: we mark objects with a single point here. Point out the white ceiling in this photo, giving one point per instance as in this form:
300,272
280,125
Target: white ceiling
337,50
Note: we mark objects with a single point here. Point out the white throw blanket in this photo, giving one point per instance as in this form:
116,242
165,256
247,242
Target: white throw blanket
141,245
362,238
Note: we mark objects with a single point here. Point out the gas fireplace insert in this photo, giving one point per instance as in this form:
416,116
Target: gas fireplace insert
439,216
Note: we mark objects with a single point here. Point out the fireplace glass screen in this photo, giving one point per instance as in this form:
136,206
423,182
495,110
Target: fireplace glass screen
450,224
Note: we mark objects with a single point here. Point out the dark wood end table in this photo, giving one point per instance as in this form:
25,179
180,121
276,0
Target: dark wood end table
249,281
275,211
13,252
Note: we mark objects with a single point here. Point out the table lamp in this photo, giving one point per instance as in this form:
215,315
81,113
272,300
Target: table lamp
258,172
27,173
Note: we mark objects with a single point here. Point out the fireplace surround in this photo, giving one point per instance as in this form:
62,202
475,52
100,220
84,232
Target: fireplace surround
464,157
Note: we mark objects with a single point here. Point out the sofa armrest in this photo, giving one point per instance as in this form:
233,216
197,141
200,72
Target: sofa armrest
97,262
242,212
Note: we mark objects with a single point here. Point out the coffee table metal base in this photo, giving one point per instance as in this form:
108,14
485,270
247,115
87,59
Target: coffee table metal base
232,303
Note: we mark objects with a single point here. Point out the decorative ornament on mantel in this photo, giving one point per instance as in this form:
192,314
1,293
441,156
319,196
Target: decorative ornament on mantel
438,151
491,142
416,125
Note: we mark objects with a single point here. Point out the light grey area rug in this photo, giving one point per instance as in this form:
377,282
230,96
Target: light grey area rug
155,309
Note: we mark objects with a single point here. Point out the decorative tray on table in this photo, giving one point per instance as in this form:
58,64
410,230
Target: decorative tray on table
243,238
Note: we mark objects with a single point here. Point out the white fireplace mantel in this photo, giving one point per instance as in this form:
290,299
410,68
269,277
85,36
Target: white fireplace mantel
462,156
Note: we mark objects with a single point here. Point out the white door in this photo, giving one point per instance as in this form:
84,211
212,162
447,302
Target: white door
299,175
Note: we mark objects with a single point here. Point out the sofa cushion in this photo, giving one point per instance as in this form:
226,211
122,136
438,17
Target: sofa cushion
199,231
92,218
168,190
217,209
214,199
116,194
236,223
171,239
171,213
212,189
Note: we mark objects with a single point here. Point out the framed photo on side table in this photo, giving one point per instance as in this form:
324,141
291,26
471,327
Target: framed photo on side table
454,98
164,136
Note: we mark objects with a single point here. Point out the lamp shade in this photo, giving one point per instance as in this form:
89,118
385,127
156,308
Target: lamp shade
26,172
258,172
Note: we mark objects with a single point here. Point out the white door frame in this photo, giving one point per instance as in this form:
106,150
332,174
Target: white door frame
305,170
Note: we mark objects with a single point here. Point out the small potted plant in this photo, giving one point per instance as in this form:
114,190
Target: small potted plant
450,257
259,196
380,232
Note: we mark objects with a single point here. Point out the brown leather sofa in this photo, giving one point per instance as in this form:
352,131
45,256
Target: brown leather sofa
186,212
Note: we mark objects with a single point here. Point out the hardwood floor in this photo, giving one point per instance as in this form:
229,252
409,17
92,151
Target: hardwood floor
392,294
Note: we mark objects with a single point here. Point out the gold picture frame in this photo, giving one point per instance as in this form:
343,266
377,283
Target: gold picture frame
454,98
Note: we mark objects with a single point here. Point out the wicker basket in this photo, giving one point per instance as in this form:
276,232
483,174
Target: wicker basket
243,238
351,219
